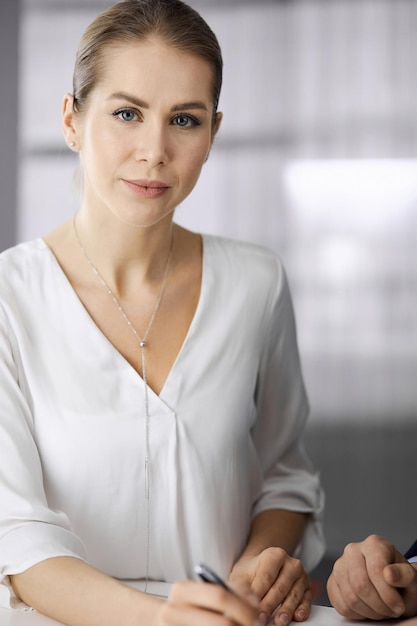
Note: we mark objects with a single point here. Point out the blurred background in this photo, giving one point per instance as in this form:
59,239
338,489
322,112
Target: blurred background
316,158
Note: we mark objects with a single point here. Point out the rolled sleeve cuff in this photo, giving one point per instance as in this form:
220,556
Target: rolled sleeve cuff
29,544
310,501
412,551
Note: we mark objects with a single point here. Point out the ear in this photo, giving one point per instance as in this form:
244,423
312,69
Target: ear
69,126
216,125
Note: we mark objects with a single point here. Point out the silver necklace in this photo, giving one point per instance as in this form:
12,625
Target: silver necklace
142,341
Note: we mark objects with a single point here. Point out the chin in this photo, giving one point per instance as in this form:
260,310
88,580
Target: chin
138,219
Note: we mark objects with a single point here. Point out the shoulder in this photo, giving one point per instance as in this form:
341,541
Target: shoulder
22,264
246,269
250,260
249,277
23,252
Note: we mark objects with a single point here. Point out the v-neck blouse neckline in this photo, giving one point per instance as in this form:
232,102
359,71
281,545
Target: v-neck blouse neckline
104,339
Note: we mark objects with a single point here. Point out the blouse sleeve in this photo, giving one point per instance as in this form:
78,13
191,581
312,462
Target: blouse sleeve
290,482
412,552
29,530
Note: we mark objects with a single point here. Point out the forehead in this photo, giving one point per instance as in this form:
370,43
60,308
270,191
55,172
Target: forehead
157,70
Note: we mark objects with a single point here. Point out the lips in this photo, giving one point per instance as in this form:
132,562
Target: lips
147,188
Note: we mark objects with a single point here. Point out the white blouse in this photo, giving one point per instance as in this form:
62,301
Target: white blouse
225,431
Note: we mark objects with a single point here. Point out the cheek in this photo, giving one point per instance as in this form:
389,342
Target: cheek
100,140
195,156
102,155
193,166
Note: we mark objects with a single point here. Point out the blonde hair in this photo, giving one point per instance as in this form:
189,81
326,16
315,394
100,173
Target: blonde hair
175,22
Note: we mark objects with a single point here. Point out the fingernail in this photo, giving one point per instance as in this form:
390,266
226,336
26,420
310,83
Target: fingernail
301,615
395,575
284,619
398,610
261,620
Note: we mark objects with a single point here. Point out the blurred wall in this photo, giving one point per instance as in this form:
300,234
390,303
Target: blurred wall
9,72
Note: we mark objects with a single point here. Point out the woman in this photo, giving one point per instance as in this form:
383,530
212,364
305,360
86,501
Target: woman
151,401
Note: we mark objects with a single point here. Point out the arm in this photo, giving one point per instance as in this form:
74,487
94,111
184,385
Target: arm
289,481
75,593
69,590
278,528
372,579
286,514
266,567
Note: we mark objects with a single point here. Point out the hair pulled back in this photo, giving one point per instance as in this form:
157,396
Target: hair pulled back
175,22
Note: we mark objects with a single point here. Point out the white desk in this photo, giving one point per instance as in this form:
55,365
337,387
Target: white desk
320,616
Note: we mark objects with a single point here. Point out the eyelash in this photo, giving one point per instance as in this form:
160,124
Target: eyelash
119,112
194,120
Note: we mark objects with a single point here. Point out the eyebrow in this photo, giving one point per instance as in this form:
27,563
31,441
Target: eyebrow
182,106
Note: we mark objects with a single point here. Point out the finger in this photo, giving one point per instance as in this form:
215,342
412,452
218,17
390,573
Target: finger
399,574
180,615
297,602
212,599
269,567
378,554
290,583
344,601
404,577
241,586
356,599
359,577
382,596
304,609
338,601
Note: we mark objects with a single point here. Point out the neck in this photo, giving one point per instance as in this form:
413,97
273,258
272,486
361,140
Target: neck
125,255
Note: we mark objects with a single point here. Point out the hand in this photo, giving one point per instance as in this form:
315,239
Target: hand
280,582
191,603
373,580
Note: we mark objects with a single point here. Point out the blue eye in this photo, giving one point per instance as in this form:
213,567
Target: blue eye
185,121
126,115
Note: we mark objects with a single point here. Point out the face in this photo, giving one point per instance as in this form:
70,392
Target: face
145,132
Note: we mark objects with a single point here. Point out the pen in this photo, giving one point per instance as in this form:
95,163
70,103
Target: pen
206,574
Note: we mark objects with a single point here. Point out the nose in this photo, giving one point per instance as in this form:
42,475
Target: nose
152,144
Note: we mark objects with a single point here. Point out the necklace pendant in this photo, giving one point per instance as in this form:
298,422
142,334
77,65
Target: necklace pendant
142,344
